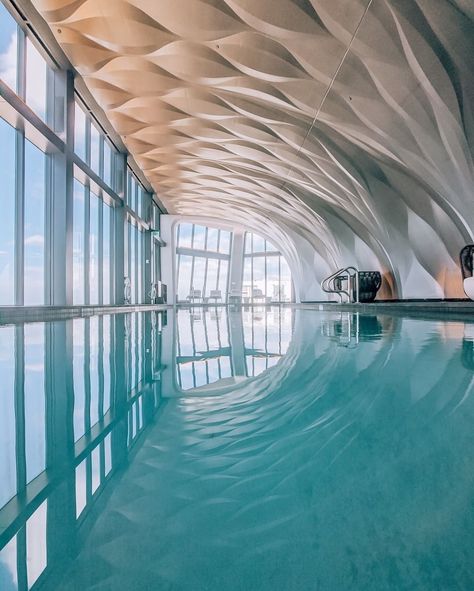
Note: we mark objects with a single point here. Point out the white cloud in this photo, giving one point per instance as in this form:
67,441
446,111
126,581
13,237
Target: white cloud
35,240
8,63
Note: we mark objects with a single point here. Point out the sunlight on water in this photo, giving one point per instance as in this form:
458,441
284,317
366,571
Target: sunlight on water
262,449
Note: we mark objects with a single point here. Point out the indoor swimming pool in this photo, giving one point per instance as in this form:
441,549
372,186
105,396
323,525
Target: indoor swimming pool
257,448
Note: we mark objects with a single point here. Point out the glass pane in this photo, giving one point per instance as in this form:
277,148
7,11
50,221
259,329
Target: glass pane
285,287
211,282
140,267
35,197
135,196
248,243
95,149
7,208
107,164
258,244
106,253
133,266
212,236
7,415
36,84
247,281
132,190
199,237
185,233
258,287
140,201
156,218
184,276
94,249
224,267
35,402
78,245
80,132
224,244
273,286
8,48
198,277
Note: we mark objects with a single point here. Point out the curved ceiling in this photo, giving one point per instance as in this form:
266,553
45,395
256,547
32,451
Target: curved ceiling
342,127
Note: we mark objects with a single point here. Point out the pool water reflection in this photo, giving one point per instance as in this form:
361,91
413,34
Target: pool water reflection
216,347
266,448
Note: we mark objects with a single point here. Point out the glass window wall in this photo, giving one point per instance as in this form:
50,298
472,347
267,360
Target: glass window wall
8,48
34,228
203,256
36,80
266,275
79,231
92,263
7,218
36,198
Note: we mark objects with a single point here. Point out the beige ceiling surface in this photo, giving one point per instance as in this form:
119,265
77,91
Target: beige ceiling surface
343,128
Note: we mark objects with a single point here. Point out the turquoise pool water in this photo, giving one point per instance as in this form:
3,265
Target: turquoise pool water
273,449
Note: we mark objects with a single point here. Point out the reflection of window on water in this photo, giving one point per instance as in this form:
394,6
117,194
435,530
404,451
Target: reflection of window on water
203,256
214,345
267,276
203,351
267,334
92,423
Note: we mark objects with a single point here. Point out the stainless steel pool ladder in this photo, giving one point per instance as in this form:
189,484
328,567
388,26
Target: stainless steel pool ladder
333,283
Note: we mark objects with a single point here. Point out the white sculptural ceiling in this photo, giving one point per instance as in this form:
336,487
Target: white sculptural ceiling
341,128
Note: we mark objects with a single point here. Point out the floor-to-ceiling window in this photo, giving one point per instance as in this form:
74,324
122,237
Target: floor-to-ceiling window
24,163
7,217
60,242
93,226
267,276
34,224
139,210
79,232
203,256
8,49
93,212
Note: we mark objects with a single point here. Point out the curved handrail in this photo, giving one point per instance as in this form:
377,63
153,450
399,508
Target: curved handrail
351,272
327,281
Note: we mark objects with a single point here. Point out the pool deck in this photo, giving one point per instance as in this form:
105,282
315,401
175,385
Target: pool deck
441,309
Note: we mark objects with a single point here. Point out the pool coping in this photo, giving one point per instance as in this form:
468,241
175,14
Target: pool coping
20,314
431,309
412,308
